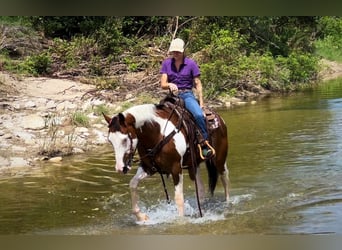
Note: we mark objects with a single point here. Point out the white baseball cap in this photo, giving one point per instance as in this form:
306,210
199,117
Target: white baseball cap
177,45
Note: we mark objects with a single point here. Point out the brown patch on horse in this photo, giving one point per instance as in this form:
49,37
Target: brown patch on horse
165,112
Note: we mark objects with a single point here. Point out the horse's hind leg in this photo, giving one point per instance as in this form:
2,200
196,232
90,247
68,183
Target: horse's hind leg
200,185
225,182
133,184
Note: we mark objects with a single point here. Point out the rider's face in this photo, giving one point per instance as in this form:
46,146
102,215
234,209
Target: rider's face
177,54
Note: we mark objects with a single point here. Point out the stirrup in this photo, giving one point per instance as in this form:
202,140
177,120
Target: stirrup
209,146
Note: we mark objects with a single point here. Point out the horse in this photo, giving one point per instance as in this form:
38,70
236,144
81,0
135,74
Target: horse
162,142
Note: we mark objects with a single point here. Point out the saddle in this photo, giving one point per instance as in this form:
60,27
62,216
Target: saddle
176,104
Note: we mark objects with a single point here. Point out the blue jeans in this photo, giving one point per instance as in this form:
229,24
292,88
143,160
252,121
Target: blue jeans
192,105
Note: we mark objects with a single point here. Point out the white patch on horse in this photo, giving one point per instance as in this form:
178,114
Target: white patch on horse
142,113
167,127
147,113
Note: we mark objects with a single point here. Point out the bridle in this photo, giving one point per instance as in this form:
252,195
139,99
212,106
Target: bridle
129,159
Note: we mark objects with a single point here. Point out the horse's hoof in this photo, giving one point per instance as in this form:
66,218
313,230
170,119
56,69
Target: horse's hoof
142,217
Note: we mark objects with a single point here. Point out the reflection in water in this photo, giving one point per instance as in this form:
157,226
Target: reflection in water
285,165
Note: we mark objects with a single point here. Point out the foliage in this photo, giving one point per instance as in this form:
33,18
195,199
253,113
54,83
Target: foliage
66,27
39,64
330,43
74,52
234,52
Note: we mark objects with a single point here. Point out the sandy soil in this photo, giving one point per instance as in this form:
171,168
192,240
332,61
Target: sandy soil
54,89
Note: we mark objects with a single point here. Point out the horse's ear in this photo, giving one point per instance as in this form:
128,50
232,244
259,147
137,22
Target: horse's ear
107,118
122,120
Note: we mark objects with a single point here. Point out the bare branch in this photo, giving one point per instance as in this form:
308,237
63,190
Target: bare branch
176,28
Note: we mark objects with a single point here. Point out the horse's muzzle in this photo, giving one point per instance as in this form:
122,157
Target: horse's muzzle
125,170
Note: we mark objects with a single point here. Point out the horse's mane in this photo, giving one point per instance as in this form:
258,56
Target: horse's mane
142,113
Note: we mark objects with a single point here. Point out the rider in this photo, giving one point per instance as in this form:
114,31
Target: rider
180,74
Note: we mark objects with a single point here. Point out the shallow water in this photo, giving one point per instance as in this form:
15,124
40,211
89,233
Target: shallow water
285,164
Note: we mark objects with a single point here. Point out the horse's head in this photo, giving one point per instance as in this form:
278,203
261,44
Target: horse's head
122,136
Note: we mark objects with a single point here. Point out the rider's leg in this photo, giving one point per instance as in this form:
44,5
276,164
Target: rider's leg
192,105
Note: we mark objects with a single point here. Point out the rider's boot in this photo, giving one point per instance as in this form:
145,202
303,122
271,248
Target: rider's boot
206,150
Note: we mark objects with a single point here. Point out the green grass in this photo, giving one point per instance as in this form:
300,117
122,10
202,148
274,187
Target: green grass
99,109
330,49
80,119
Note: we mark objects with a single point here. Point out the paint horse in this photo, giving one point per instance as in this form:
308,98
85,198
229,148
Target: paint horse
162,142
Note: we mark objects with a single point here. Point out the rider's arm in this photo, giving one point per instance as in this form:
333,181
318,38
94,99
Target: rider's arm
198,86
167,85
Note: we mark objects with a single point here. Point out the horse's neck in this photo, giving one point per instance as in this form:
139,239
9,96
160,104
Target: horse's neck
148,134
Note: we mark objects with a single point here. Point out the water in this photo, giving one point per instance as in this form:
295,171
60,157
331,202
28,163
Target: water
285,164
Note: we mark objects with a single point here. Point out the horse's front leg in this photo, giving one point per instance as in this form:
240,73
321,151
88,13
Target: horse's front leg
179,196
133,185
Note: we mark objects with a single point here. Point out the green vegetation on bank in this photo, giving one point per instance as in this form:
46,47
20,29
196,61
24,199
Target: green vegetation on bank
235,53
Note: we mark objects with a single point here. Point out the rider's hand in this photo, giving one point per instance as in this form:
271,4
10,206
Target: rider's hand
173,88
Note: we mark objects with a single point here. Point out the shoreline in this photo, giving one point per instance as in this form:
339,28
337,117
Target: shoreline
36,116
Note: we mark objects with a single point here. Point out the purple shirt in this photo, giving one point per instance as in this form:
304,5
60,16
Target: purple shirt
184,78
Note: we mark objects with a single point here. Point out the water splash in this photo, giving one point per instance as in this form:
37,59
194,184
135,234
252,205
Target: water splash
212,209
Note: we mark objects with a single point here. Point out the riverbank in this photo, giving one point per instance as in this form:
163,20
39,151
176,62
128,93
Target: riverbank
37,114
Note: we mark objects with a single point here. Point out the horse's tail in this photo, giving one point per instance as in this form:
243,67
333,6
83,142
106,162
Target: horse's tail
212,175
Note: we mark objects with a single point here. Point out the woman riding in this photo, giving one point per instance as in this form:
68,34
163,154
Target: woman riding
180,74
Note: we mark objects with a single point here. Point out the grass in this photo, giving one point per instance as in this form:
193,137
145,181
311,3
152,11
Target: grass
330,49
99,109
79,118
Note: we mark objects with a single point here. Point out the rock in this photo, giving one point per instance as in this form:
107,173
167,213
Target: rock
65,106
56,159
33,121
7,136
92,116
23,135
77,151
97,125
18,162
4,162
228,104
100,137
81,130
60,133
129,96
30,104
18,148
241,103
51,105
86,105
16,105
97,102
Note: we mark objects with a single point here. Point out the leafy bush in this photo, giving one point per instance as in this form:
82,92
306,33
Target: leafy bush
227,67
40,63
